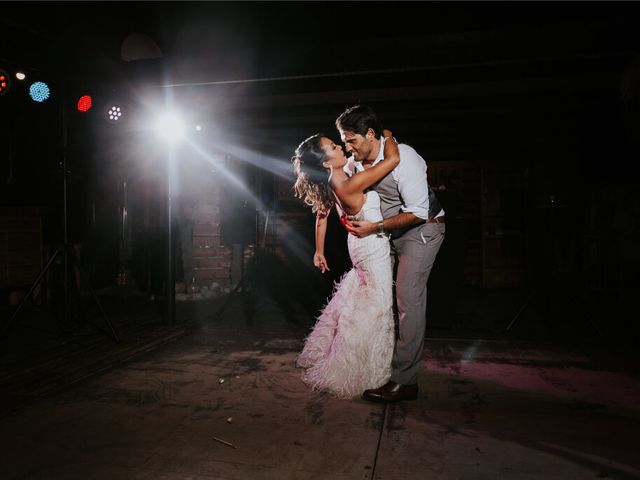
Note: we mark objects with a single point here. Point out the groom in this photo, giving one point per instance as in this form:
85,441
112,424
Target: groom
414,222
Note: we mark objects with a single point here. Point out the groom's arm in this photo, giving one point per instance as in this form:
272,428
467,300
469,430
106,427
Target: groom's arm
411,175
403,220
412,183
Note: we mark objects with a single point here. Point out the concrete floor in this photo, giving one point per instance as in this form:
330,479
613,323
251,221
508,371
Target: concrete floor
221,399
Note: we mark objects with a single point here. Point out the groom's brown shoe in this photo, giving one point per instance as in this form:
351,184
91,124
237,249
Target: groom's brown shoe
391,392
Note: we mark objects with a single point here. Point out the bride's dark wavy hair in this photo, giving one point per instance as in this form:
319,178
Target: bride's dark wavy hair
312,179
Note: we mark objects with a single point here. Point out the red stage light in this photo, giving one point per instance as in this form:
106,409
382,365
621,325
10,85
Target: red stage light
84,104
4,82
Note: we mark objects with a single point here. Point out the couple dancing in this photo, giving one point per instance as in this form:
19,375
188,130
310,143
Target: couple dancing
396,227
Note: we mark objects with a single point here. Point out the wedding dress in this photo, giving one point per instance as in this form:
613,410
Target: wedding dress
350,347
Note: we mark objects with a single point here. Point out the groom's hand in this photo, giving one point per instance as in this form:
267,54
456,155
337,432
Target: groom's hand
361,228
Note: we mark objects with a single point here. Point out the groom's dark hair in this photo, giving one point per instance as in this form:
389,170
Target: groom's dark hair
358,119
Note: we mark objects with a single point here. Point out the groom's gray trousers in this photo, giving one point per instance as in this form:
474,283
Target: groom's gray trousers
414,254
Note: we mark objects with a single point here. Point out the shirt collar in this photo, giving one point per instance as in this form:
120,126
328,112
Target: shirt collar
358,165
352,166
381,152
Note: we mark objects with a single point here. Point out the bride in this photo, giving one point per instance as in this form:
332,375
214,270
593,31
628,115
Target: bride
351,345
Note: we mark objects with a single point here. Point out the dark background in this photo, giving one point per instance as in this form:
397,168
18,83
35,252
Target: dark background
550,88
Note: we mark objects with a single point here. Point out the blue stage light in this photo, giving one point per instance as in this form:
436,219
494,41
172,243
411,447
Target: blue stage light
39,91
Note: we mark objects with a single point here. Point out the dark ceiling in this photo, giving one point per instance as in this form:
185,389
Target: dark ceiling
212,41
550,88
454,77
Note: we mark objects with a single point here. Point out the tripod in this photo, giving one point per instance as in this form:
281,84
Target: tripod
550,228
246,276
551,275
65,251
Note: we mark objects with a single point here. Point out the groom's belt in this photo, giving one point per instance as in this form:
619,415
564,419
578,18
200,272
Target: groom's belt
396,234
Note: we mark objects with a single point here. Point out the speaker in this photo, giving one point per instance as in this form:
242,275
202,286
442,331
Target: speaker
237,206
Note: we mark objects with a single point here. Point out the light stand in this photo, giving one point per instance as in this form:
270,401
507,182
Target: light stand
171,128
65,250
170,313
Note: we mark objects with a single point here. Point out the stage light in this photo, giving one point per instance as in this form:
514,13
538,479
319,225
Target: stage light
20,75
39,91
85,103
171,127
5,83
114,113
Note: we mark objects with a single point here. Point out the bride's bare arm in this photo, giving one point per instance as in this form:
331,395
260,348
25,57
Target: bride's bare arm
366,178
321,230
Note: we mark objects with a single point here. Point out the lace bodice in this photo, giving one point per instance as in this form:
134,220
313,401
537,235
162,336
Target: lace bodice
370,210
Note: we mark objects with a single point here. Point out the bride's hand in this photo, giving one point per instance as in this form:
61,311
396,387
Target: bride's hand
387,133
320,262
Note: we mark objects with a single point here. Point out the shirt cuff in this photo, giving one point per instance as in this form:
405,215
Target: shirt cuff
417,211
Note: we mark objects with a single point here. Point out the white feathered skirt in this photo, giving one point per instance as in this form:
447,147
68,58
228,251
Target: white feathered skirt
351,344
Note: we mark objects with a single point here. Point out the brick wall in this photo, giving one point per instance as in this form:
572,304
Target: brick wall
210,261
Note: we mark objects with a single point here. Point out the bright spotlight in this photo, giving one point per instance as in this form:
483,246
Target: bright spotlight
5,84
20,75
171,127
39,91
114,113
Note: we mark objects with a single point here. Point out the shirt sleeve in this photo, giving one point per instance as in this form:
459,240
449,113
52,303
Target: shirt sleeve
411,176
